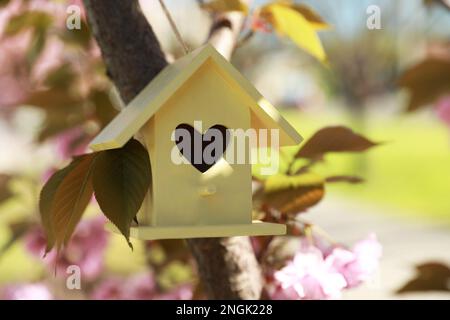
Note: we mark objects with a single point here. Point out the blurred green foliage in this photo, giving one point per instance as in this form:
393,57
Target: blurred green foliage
410,172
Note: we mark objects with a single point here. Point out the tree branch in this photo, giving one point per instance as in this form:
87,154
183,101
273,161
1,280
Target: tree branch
445,4
228,267
225,32
130,49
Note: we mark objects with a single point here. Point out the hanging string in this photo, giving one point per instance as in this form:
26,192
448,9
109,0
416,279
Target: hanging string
174,27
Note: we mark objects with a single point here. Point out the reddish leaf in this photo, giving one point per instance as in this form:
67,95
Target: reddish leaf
293,194
3,3
72,197
61,77
104,109
349,179
431,276
426,81
52,98
333,139
5,192
37,20
46,199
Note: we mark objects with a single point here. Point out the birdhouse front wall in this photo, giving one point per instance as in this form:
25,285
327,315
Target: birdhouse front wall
182,195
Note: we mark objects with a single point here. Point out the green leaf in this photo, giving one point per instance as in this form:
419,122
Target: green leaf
72,197
61,77
64,198
289,21
292,194
121,180
4,3
63,111
29,19
104,108
81,37
333,139
37,45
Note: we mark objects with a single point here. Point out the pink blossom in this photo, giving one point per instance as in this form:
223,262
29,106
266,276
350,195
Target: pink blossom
141,286
47,174
68,143
322,271
308,276
183,292
85,249
14,77
109,289
278,293
138,287
443,109
50,58
34,291
358,264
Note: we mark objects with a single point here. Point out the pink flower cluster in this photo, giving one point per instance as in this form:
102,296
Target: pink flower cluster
65,147
33,291
323,272
85,249
138,287
443,109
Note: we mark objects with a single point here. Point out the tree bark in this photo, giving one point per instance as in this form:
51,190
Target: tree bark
130,49
227,266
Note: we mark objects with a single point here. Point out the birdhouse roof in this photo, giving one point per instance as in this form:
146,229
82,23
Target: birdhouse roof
168,81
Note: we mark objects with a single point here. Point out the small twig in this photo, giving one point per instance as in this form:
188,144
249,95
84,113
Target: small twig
445,4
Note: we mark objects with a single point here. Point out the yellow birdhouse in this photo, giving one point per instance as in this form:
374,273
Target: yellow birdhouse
189,196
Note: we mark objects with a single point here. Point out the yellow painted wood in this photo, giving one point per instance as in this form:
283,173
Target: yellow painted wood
176,189
183,202
169,81
256,228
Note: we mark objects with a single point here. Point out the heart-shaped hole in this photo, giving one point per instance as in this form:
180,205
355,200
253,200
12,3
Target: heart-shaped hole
202,150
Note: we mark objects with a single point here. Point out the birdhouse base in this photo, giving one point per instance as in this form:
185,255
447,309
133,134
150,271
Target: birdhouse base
256,228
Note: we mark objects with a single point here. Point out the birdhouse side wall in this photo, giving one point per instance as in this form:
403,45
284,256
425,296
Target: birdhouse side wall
179,189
